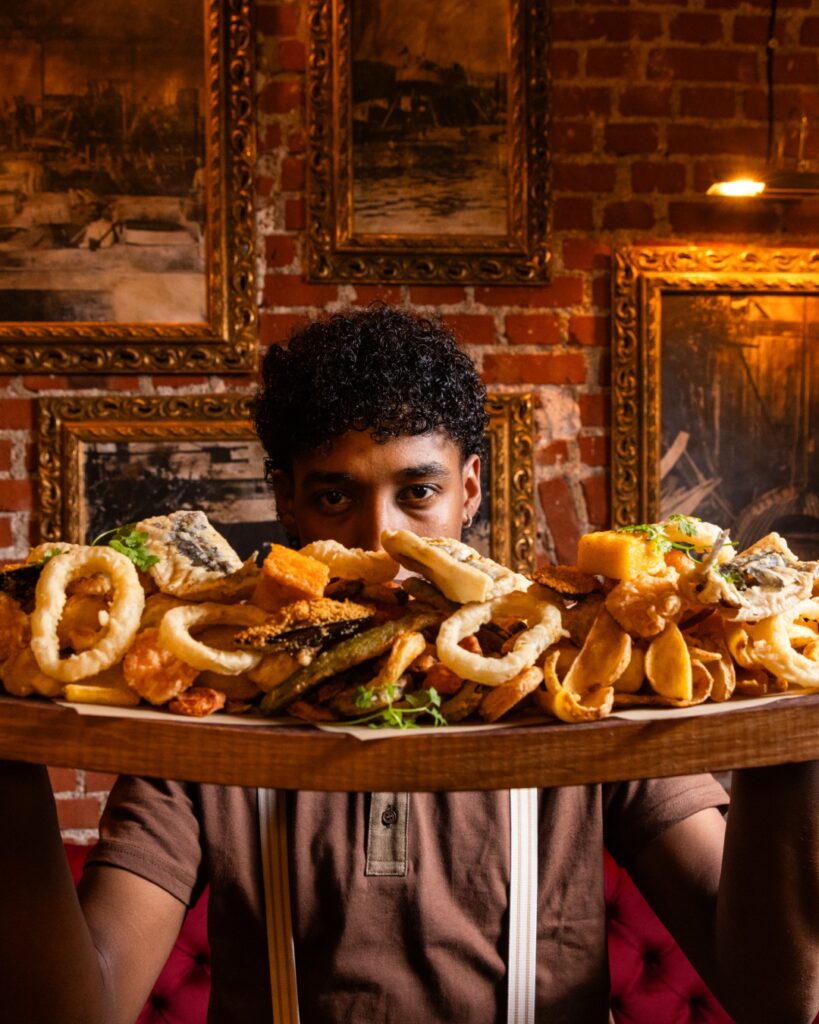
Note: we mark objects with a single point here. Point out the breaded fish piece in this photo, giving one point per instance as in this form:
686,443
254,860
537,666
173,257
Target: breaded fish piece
192,555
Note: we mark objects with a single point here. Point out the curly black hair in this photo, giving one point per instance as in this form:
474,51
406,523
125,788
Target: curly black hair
379,369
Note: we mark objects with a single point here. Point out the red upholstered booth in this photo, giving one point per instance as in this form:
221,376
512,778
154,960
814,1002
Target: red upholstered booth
651,980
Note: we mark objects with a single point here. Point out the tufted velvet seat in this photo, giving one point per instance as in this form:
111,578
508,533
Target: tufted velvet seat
651,980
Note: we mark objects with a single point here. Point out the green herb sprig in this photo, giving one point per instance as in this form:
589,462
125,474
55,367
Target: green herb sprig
129,541
655,535
403,715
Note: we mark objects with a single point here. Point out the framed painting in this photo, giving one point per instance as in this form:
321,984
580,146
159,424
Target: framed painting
428,135
716,389
126,187
105,461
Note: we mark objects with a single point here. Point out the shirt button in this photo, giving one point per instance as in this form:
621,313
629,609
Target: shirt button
390,816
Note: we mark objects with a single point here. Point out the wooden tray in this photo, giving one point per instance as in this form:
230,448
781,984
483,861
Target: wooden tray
299,757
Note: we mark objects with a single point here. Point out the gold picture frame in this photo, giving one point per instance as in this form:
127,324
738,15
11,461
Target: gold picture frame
130,160
418,115
715,388
104,461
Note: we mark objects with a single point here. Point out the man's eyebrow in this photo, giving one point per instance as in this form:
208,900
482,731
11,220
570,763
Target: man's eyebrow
425,469
324,477
320,476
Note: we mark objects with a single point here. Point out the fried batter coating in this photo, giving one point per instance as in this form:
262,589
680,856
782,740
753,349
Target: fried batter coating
197,702
318,612
646,604
15,632
83,618
22,675
154,673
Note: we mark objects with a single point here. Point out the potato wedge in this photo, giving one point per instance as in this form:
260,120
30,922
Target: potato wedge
631,678
604,656
85,693
668,665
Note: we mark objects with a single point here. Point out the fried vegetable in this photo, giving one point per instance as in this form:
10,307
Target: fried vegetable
668,665
501,699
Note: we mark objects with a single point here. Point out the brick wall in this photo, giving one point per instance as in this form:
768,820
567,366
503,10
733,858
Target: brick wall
651,100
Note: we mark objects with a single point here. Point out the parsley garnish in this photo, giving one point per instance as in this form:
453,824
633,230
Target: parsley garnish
655,536
686,524
399,716
49,555
131,543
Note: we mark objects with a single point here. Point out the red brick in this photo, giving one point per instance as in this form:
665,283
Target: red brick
751,29
583,254
615,26
99,782
704,102
79,812
562,291
551,368
703,64
279,20
5,456
279,250
292,55
598,506
295,215
594,451
90,380
645,101
279,97
601,292
588,330
572,137
584,177
809,33
532,329
563,63
613,62
631,138
594,410
554,454
275,328
690,27
630,213
647,176
296,142
63,780
786,101
265,185
6,538
45,383
577,101
798,68
367,293
15,495
696,139
732,216
293,290
573,214
15,414
293,170
561,518
271,139
179,381
471,330
436,295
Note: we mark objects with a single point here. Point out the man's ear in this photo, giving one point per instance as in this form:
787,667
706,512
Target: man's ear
285,500
472,486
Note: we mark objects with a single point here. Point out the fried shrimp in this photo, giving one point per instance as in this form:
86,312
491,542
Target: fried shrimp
14,627
153,672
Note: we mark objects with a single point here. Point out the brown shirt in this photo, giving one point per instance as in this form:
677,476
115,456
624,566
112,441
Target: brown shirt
430,946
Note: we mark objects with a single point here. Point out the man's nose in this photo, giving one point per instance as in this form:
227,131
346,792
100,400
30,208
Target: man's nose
374,518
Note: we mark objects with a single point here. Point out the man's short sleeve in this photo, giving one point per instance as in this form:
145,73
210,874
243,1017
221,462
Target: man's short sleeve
635,813
149,827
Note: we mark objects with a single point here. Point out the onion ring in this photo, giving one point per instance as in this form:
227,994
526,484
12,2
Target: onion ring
352,563
544,630
50,598
174,635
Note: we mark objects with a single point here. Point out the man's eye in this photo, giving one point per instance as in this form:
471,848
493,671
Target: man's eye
333,501
418,493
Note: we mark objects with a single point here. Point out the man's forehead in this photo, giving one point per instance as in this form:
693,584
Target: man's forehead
357,454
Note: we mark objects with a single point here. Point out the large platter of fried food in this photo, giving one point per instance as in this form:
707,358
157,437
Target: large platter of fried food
163,614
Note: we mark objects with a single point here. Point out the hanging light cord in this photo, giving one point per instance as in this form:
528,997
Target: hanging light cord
770,50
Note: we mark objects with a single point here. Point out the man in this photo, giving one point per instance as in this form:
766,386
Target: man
373,420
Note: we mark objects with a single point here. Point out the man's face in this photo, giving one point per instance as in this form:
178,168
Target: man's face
359,488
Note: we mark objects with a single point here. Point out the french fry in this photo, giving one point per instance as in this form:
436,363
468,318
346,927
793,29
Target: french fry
668,665
88,693
503,698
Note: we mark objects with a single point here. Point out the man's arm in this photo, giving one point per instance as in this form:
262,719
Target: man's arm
747,916
64,958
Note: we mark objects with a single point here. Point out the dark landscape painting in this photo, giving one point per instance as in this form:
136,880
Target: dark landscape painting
102,161
430,117
740,413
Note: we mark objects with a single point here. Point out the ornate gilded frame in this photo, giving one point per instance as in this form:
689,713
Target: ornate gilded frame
66,424
336,253
226,342
642,276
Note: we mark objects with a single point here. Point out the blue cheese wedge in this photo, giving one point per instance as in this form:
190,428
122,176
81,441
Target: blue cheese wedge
459,571
193,557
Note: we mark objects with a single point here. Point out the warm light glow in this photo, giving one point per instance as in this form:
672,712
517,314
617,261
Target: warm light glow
738,188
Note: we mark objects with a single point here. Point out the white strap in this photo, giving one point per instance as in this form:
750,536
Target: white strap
281,954
522,906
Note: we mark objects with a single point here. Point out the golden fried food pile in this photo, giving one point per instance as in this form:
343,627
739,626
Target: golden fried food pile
167,614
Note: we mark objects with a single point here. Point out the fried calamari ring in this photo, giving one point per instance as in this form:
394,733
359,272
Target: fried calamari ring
545,629
174,635
352,563
50,598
